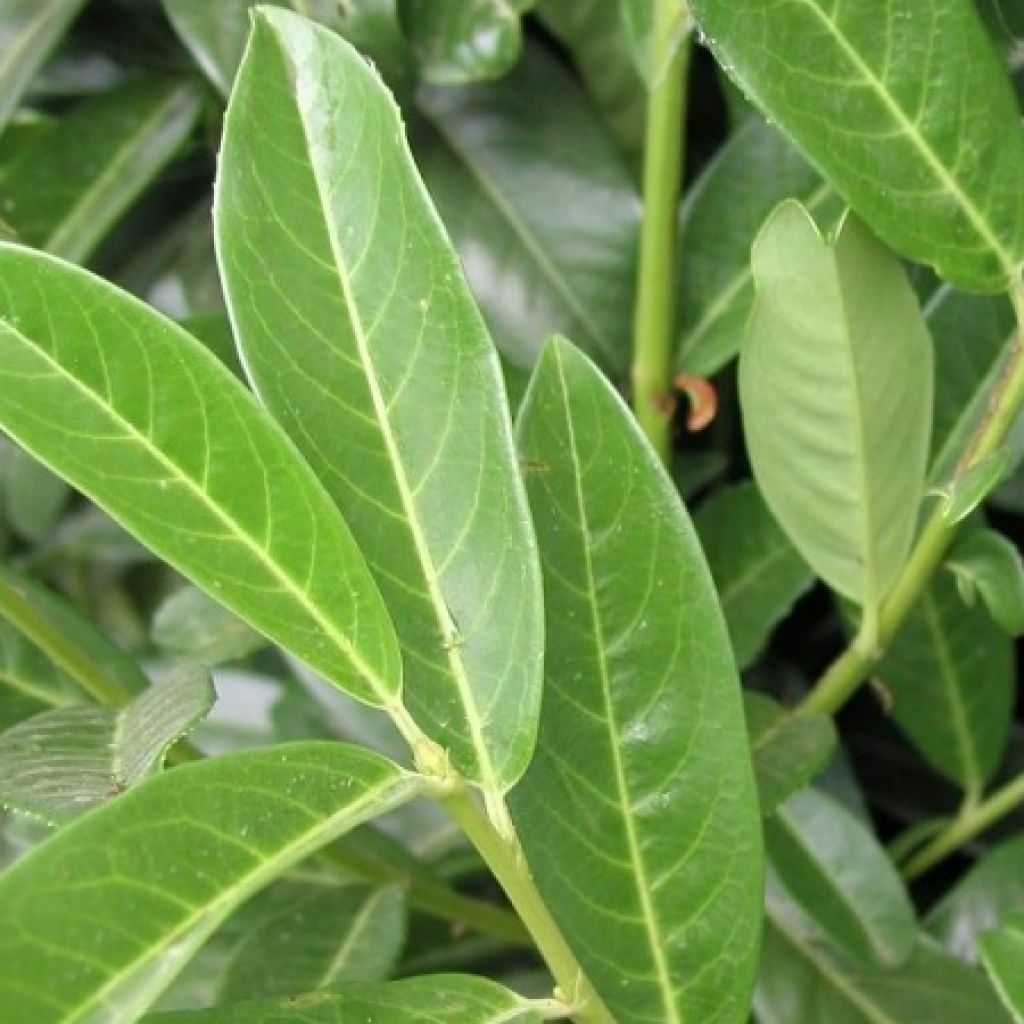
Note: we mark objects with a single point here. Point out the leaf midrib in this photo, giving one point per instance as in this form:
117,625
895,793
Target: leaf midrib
647,909
359,922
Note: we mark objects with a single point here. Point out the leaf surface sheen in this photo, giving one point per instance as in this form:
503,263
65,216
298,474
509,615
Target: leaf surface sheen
638,815
361,337
1002,952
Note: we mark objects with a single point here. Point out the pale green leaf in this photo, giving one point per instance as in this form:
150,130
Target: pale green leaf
758,573
788,749
362,338
29,30
182,851
967,490
33,497
324,936
836,363
638,815
1003,954
990,563
653,59
62,763
950,675
72,183
904,108
192,625
142,419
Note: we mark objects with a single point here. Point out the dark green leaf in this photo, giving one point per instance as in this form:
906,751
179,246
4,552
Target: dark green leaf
789,750
191,624
541,208
182,851
836,363
62,763
906,110
1003,954
758,573
157,432
990,563
950,673
390,386
638,814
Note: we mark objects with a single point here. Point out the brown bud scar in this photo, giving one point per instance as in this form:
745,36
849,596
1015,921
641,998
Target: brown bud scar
703,400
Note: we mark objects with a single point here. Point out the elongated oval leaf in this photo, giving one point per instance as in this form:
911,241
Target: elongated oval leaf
442,999
181,851
986,561
638,815
905,109
28,672
836,363
1003,954
146,422
365,343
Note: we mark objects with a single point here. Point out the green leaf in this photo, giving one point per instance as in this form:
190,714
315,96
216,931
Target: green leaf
989,562
720,218
30,674
950,673
191,624
141,882
594,33
69,186
549,244
438,999
29,30
322,937
967,490
834,867
638,815
980,899
462,41
836,363
789,750
927,147
391,389
33,496
62,763
1003,954
758,573
639,17
143,420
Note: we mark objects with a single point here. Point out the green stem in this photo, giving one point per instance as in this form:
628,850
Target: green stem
852,667
972,821
504,856
663,162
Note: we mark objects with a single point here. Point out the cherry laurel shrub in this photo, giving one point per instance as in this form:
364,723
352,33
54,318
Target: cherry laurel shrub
388,458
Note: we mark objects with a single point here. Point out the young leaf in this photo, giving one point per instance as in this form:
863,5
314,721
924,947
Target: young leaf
967,490
390,385
182,851
62,763
549,244
638,815
142,419
950,673
834,867
1002,952
438,999
192,625
836,363
29,30
720,218
989,562
758,573
927,147
789,750
69,186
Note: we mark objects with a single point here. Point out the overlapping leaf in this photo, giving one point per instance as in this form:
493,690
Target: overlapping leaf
638,814
361,336
191,625
1003,954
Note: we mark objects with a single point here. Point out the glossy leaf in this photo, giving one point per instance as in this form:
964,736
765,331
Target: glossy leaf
758,573
182,850
28,672
949,671
540,207
192,625
836,363
392,388
29,30
1002,952
990,563
834,867
150,426
927,148
638,814
720,218
68,187
62,763
789,750
438,999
